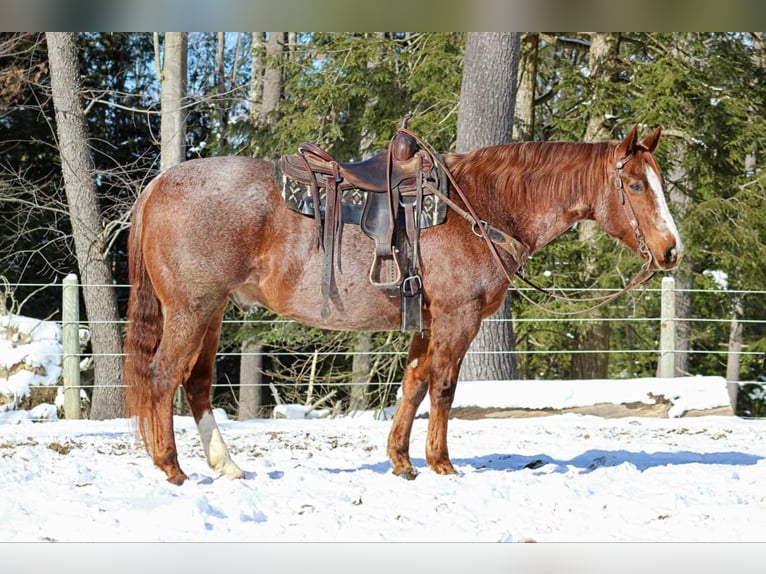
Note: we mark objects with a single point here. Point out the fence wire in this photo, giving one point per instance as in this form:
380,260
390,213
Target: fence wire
720,353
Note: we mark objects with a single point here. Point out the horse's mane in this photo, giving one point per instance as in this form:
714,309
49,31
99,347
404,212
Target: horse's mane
532,172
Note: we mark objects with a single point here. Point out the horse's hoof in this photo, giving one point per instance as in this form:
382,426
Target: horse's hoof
443,468
231,470
177,478
410,474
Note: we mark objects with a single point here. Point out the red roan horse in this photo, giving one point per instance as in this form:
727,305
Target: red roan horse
210,230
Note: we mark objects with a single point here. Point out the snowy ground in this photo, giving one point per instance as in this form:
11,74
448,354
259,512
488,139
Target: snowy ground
559,478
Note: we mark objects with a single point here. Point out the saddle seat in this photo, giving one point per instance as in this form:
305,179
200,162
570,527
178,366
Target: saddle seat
406,160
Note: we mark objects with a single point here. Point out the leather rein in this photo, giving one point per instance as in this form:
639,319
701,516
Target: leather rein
495,238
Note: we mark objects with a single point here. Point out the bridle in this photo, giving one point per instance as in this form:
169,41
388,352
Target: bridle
642,248
642,276
495,238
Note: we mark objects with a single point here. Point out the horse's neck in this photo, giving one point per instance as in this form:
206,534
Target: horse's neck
545,188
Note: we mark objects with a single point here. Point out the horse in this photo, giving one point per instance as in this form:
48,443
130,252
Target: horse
213,230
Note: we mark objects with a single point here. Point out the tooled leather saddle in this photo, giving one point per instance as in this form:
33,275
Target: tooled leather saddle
386,195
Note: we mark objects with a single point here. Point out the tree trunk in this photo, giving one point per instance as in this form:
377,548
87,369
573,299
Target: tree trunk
173,86
524,115
592,337
361,364
82,200
488,90
220,84
680,194
590,359
735,339
256,76
485,117
251,390
272,77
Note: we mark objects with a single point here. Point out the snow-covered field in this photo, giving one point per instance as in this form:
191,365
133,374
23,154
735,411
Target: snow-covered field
560,478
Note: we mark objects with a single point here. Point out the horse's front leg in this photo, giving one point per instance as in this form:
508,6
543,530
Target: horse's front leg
414,388
455,334
433,365
441,392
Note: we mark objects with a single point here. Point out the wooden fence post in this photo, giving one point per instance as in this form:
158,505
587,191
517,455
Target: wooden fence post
667,366
70,327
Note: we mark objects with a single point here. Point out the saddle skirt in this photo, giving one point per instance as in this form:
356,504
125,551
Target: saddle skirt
297,196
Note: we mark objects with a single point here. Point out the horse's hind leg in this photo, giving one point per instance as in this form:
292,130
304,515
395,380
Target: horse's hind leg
183,333
414,388
197,388
168,369
164,452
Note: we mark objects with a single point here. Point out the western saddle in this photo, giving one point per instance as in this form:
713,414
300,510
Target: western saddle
388,195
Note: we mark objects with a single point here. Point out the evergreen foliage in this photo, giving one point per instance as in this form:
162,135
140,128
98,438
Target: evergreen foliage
348,92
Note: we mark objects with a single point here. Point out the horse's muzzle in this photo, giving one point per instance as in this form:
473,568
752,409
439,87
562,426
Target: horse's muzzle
671,257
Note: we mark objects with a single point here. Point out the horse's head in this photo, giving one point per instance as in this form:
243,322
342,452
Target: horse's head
638,214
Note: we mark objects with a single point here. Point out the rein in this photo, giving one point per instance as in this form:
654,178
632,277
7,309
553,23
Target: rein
496,238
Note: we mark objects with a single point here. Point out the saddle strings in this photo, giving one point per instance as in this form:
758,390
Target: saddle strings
510,244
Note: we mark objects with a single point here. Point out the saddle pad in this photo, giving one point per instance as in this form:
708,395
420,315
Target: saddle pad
297,196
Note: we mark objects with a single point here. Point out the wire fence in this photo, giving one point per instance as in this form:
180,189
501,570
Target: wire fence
713,354
29,308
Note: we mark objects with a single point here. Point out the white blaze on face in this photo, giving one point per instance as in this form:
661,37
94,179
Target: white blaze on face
659,195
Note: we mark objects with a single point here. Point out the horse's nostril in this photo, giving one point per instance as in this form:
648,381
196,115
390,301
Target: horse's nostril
671,254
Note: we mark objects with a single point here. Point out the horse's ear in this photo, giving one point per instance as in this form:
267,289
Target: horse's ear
626,146
652,139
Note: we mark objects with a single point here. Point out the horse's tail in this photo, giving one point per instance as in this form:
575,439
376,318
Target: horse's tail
144,329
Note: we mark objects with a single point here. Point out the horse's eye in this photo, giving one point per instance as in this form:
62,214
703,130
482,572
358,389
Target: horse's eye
638,187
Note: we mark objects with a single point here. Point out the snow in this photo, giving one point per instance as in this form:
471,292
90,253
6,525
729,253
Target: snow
33,343
563,478
720,278
558,478
685,394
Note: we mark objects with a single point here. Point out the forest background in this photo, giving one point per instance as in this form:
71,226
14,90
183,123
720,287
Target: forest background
261,94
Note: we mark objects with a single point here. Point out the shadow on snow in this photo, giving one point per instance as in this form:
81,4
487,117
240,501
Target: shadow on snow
593,459
587,462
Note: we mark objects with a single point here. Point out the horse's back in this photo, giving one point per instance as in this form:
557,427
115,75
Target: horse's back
216,182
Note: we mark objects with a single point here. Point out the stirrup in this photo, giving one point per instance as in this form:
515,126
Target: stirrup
385,272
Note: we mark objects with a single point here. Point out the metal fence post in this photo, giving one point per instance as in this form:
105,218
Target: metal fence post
70,327
667,365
